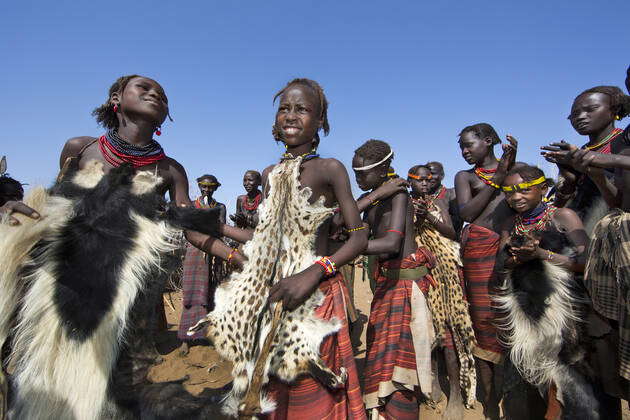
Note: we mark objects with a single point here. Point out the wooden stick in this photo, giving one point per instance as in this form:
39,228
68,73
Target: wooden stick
250,405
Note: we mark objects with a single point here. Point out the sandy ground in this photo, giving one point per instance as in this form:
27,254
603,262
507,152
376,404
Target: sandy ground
207,371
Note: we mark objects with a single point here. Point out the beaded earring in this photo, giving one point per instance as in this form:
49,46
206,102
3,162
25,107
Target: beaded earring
158,131
115,108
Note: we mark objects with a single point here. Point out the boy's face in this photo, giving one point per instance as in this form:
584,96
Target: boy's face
297,118
526,199
474,149
372,178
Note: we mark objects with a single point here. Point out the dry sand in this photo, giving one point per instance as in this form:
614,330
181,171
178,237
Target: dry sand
206,370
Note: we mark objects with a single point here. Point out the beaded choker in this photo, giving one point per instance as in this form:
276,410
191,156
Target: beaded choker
254,205
305,156
485,175
535,220
605,144
116,151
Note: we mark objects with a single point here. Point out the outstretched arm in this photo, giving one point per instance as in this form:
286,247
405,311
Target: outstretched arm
179,193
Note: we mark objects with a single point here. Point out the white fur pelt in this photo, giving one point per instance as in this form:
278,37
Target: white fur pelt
57,377
535,344
547,346
283,244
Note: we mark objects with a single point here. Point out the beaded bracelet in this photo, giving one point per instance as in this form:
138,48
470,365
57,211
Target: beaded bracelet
330,268
231,255
355,229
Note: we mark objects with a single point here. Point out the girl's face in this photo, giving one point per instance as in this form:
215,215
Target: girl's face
144,98
250,182
474,149
526,199
437,176
298,116
372,178
591,113
422,185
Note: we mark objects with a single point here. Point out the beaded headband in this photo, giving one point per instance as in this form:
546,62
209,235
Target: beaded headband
208,183
524,185
417,177
374,165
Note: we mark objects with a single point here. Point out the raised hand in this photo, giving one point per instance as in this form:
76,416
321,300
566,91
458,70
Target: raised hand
560,153
389,188
509,155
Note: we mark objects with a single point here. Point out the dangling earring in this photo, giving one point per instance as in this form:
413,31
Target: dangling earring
115,108
617,117
158,131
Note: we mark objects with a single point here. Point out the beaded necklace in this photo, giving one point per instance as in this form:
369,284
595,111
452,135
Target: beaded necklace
305,156
485,175
606,142
210,205
116,151
255,202
536,220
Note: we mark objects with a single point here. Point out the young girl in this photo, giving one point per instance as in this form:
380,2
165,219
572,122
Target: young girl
202,273
135,108
246,215
593,114
399,334
543,247
483,206
301,193
448,305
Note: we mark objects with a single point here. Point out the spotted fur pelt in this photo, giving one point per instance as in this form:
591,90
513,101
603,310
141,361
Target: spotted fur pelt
283,244
73,283
543,329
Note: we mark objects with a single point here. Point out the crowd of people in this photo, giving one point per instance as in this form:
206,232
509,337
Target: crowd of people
512,283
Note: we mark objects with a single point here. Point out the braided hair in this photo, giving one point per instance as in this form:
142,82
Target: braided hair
482,130
321,97
619,101
375,151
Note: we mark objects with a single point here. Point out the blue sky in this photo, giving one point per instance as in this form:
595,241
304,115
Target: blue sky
410,73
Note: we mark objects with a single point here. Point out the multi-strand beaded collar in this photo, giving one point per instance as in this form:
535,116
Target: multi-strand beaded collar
485,175
255,202
537,219
605,145
116,151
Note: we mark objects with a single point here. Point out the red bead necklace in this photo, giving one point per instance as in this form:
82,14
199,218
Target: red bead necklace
255,202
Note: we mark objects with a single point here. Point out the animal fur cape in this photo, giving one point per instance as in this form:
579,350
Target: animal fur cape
283,244
74,284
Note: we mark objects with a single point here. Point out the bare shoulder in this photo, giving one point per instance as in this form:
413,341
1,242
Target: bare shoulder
566,217
463,175
73,146
332,164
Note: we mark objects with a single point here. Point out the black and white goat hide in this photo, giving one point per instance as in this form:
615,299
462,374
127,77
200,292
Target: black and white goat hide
543,329
74,283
